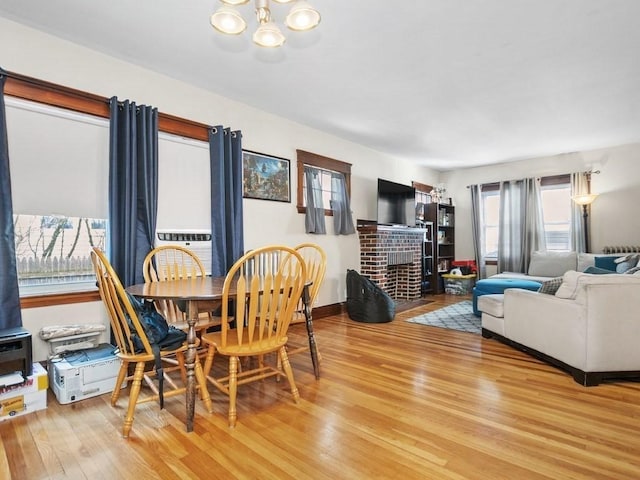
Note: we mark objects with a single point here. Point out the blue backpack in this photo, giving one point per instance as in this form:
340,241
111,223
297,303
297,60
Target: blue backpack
160,334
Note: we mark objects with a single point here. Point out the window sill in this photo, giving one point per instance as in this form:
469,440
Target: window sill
47,300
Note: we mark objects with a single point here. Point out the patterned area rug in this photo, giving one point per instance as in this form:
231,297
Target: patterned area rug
458,316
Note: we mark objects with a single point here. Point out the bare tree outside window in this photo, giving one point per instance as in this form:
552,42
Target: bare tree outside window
55,249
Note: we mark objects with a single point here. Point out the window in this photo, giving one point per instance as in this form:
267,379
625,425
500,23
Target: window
53,252
59,186
556,211
92,169
327,166
490,221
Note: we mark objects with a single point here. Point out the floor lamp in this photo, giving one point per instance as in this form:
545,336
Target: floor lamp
585,200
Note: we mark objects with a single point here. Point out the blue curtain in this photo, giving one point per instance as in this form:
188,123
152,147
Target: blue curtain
10,313
133,187
227,233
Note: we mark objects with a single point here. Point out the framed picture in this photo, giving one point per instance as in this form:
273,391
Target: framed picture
265,177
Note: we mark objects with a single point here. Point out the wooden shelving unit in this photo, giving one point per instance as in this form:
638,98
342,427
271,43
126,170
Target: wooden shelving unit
429,275
443,218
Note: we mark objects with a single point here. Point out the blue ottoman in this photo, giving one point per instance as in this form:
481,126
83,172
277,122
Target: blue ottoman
489,286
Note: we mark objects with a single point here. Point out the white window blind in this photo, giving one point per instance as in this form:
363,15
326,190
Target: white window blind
59,160
184,185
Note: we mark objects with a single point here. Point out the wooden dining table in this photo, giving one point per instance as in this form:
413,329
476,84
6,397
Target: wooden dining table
198,289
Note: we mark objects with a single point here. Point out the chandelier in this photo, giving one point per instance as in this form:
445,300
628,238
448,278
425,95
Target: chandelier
228,20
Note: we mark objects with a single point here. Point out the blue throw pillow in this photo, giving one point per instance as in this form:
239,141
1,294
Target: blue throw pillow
598,270
608,263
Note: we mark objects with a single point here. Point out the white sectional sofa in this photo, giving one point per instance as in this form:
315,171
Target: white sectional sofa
547,265
590,327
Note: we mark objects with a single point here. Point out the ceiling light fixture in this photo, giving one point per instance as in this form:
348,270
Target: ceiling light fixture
228,20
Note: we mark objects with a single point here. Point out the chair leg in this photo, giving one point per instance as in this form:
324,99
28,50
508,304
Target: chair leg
122,374
202,383
208,361
282,353
133,398
233,390
183,370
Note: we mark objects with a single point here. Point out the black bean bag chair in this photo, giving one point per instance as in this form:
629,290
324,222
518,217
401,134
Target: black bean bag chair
366,301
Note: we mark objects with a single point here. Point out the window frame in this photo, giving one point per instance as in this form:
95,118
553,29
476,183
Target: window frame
40,91
490,188
325,163
552,180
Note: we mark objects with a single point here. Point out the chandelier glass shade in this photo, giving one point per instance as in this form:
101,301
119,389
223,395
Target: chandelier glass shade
268,35
228,20
302,17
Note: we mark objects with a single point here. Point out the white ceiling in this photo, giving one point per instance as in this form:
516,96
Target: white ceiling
444,83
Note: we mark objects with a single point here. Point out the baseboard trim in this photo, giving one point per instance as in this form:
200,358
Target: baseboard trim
329,310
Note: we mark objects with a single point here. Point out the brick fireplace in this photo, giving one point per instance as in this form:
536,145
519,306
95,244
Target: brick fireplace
391,257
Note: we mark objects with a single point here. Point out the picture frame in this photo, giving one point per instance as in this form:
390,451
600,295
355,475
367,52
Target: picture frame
265,177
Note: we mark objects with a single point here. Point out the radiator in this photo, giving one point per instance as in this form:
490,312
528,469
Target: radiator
622,249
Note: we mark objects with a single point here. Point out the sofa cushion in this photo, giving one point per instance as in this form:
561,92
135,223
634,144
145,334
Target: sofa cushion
552,264
550,287
492,304
520,276
574,282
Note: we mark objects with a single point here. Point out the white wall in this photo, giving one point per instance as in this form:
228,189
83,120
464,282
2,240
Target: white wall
30,52
614,218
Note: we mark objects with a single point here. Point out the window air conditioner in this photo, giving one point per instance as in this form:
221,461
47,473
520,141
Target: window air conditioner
198,241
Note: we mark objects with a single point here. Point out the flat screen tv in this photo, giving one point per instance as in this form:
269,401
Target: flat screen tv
396,204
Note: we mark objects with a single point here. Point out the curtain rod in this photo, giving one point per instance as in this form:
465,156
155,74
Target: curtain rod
590,172
33,89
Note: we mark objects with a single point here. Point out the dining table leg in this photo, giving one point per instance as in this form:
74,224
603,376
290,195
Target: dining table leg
306,301
190,362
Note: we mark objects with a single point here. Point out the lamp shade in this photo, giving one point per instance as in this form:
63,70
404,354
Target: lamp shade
268,35
229,21
235,2
302,17
585,198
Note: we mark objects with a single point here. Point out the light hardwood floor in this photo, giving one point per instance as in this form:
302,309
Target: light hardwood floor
395,401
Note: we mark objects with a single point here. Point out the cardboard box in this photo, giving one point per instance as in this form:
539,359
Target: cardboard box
29,396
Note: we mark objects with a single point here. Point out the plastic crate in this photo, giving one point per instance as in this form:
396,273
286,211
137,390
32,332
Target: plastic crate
458,284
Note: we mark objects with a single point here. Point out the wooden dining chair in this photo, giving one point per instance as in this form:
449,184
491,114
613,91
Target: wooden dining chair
172,262
125,327
315,260
266,284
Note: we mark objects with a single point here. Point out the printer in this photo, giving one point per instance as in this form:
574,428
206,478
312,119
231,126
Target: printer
84,373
